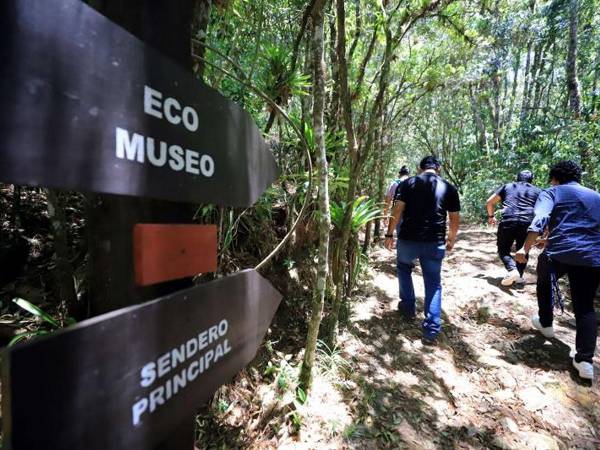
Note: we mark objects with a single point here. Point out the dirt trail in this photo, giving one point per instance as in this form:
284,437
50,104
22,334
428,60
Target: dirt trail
492,382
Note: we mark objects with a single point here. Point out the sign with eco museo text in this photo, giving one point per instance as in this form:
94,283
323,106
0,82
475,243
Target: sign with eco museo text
85,105
124,380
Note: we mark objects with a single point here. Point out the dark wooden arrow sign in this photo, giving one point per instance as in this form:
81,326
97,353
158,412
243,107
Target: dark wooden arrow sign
126,379
85,105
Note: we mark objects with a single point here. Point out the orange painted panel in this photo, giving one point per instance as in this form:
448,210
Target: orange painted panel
163,252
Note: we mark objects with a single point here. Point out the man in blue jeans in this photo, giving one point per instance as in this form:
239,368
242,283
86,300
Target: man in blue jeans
422,204
571,214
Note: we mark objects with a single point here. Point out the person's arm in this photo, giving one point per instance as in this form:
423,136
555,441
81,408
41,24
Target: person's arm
397,212
454,218
521,255
542,210
491,202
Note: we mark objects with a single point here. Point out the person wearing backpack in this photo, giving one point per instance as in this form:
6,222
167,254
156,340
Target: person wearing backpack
518,199
403,174
423,204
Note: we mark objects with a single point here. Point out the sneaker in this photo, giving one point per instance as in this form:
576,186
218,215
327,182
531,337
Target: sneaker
546,331
510,278
585,369
520,281
429,341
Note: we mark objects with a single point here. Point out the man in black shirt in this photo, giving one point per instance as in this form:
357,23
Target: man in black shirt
518,200
422,203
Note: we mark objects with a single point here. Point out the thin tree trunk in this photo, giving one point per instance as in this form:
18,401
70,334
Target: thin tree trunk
479,124
325,218
571,69
574,91
513,96
63,272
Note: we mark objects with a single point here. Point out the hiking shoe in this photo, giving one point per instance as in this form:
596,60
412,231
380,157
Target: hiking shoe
510,278
546,331
429,341
585,369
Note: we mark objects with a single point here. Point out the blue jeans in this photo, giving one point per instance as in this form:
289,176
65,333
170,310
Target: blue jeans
430,255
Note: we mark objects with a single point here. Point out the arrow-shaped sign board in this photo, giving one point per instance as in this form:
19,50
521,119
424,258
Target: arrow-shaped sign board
85,105
125,380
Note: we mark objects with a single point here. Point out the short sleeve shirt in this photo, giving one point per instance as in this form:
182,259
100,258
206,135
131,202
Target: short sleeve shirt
428,199
518,200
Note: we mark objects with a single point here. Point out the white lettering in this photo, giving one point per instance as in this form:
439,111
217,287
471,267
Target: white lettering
156,398
148,374
192,371
179,381
171,103
163,365
226,347
207,166
178,356
213,334
176,154
208,357
191,347
190,118
151,153
202,343
131,149
191,162
152,102
138,409
223,327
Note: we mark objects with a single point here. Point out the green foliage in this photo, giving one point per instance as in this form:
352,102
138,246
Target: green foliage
43,316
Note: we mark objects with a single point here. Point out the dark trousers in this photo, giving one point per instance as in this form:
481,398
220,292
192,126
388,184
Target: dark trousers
584,282
510,233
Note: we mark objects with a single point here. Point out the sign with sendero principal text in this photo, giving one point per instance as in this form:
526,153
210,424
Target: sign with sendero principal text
126,379
85,105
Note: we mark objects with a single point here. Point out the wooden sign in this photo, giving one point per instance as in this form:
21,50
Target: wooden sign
126,379
168,252
85,105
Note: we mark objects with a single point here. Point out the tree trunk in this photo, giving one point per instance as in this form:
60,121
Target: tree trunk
574,91
323,199
479,124
63,272
571,69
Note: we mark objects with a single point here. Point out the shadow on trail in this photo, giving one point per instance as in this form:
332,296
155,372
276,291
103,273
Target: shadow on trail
396,398
496,282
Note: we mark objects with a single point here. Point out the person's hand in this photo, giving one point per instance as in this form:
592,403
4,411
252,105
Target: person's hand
389,243
521,256
450,244
540,243
492,221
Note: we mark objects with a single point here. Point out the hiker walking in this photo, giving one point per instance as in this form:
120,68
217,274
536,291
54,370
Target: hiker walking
422,204
571,213
403,174
518,199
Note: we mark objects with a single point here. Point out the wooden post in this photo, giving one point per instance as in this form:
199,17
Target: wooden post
164,25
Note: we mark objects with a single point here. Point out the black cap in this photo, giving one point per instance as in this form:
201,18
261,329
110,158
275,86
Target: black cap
430,162
525,175
403,171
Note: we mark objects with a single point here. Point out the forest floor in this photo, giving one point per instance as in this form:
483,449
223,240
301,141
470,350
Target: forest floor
492,381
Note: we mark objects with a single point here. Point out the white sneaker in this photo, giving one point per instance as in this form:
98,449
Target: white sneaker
585,369
510,278
546,331
520,280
